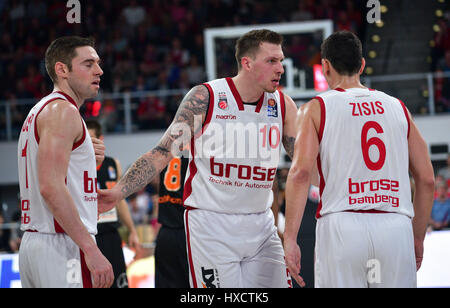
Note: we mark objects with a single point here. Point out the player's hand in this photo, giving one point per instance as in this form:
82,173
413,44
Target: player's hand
107,199
418,248
99,150
133,240
101,270
293,256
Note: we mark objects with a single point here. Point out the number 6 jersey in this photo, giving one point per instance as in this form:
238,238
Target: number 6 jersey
363,161
81,179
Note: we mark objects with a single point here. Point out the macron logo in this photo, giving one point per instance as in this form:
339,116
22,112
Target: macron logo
225,117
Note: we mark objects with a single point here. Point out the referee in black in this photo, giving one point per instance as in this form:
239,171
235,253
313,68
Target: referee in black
171,263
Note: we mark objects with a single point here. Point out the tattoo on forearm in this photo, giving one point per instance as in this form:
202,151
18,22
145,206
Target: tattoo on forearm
289,143
137,177
142,172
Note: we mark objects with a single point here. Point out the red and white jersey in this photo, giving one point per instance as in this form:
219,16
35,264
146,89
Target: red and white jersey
363,161
234,158
81,176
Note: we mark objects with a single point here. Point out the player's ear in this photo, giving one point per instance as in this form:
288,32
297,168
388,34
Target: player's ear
363,65
61,69
326,66
245,63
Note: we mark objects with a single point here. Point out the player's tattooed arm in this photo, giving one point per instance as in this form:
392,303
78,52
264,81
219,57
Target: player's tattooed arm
186,123
288,143
289,131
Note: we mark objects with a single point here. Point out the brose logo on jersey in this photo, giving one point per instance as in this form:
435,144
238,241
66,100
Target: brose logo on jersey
90,184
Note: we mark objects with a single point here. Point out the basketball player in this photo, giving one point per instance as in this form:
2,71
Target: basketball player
57,176
108,238
230,233
171,262
368,233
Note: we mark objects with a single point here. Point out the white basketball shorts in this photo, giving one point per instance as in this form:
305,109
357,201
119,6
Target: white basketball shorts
234,250
365,250
52,261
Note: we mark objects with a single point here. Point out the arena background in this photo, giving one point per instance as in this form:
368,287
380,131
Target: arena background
154,51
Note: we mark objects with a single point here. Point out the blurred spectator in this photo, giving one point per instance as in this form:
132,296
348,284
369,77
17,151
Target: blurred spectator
179,55
140,205
441,43
17,11
5,235
195,72
442,84
302,13
134,14
32,81
151,113
37,8
125,72
440,214
108,115
162,41
177,11
445,171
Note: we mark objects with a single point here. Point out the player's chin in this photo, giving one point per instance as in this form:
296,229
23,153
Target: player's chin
93,91
271,89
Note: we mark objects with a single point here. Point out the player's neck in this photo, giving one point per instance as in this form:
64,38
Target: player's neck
68,90
346,82
247,89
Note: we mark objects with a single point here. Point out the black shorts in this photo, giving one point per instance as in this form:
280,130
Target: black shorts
171,264
110,244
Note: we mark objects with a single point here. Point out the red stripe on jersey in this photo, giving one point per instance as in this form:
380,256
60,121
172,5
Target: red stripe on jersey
238,98
319,164
210,108
340,89
283,106
192,172
192,166
85,273
36,135
80,142
406,115
260,103
235,92
188,242
322,117
58,228
70,99
321,186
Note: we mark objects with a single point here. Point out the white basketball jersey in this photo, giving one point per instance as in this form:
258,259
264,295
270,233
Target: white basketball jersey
234,158
81,176
363,161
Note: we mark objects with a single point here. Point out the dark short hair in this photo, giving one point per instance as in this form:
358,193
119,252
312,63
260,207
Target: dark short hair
63,50
248,44
344,51
96,126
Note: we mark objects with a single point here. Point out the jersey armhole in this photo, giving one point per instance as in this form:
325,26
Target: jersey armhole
36,134
210,109
282,106
405,110
80,142
322,117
